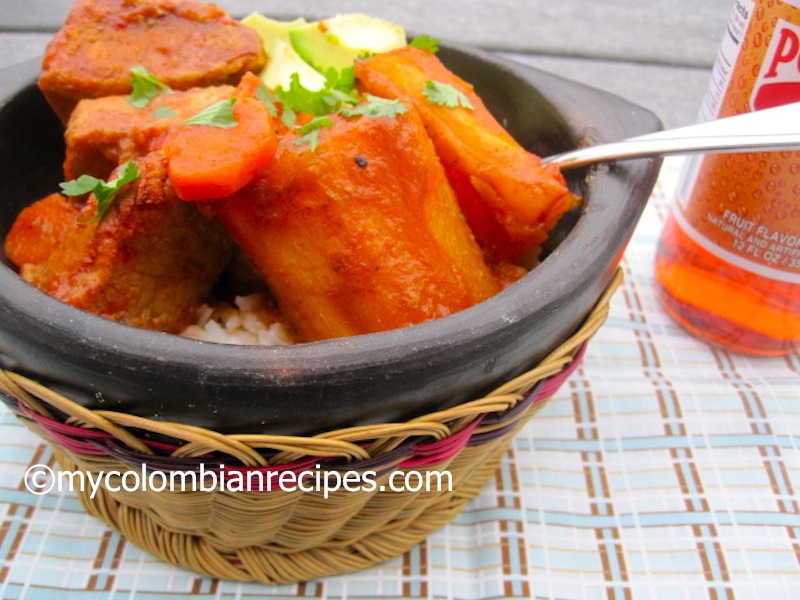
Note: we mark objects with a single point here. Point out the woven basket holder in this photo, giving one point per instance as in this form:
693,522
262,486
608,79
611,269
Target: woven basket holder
277,536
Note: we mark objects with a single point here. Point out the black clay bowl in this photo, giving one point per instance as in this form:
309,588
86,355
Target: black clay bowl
315,387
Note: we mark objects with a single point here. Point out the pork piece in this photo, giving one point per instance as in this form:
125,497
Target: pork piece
184,43
510,200
105,132
362,234
149,262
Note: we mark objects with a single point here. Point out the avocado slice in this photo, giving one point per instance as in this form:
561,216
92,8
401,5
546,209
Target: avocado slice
270,29
338,41
283,62
283,59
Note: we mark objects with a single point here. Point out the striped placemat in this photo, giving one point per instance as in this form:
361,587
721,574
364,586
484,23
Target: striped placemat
664,469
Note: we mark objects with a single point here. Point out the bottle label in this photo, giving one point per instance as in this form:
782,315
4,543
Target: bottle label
778,81
745,208
726,59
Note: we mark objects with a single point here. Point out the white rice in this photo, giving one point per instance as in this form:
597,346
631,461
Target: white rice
249,321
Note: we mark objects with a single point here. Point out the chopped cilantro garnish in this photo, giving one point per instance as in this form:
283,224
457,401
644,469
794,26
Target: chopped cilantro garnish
146,86
425,42
164,112
316,102
309,133
315,125
268,98
339,90
342,81
376,107
102,190
219,114
288,116
311,138
446,95
301,99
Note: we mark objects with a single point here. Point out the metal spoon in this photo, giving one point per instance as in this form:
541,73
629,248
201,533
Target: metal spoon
769,129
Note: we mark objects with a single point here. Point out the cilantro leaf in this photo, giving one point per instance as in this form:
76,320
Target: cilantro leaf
288,116
84,184
446,95
310,132
316,102
425,42
316,124
376,106
103,191
343,80
106,192
339,90
268,98
146,86
311,138
164,112
302,99
338,98
220,114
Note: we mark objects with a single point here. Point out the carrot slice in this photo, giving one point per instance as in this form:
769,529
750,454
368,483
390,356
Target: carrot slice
208,162
39,229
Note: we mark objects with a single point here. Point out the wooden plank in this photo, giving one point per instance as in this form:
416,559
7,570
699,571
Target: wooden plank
672,93
679,32
16,47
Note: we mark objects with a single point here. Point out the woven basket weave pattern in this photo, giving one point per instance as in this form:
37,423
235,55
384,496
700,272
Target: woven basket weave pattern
277,536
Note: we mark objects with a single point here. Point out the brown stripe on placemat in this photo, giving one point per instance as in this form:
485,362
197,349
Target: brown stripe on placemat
507,482
609,546
17,514
310,589
105,581
514,552
513,545
711,554
637,314
706,534
415,571
42,453
772,457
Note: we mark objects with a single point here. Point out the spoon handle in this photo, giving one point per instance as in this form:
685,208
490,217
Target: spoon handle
770,129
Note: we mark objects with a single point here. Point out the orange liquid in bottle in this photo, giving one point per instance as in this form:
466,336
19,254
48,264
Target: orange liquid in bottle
728,261
723,304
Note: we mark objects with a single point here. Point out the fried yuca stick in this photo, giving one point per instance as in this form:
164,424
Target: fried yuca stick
362,233
509,199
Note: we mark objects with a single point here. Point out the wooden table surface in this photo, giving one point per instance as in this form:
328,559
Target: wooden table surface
655,53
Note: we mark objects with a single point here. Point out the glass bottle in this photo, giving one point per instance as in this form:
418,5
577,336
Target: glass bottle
728,260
